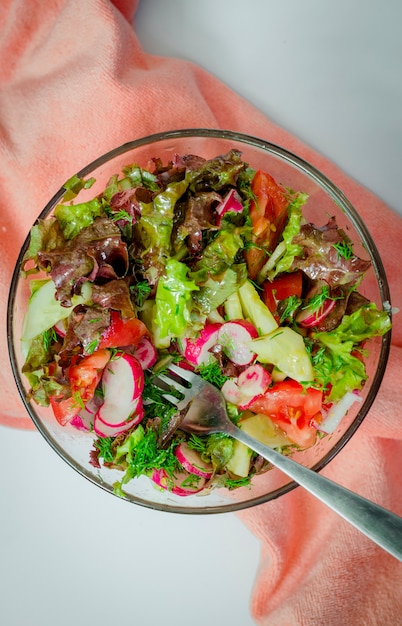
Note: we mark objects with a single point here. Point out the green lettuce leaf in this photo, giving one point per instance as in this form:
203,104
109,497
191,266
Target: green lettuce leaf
74,185
73,218
216,289
220,172
368,321
221,252
288,250
46,236
155,229
134,176
335,362
173,297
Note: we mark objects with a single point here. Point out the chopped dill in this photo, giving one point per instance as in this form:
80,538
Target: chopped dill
344,249
99,392
78,400
212,374
141,292
155,404
49,336
121,215
316,302
92,346
146,455
291,305
104,445
192,481
234,483
197,443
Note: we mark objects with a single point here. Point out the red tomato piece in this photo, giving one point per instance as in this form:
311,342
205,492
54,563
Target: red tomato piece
65,409
292,407
268,214
86,374
122,332
282,287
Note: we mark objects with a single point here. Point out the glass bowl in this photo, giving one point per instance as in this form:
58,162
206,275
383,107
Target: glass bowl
325,199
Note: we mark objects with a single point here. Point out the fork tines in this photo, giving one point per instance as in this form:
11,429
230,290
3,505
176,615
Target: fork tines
184,381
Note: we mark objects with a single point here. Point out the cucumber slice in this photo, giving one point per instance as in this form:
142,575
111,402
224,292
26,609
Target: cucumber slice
261,427
255,310
285,349
239,462
44,311
233,308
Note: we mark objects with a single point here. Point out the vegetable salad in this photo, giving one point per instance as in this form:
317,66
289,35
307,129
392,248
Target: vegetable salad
211,265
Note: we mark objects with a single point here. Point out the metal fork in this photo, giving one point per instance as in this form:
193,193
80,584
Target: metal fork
207,414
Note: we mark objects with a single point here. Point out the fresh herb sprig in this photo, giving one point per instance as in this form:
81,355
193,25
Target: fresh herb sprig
140,292
212,374
344,249
49,337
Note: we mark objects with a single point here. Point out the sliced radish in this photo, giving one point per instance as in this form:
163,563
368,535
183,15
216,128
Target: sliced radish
181,484
231,203
231,391
122,382
235,338
78,423
102,430
192,462
243,390
108,415
60,328
146,353
254,380
308,317
84,420
197,351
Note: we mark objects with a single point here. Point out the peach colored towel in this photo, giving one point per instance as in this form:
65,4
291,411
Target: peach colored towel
74,84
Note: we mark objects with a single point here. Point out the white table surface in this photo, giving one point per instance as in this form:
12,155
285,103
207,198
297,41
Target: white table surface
73,554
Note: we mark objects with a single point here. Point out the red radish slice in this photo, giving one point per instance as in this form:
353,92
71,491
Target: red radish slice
107,416
231,203
192,462
122,382
146,353
235,337
251,383
182,484
60,328
231,391
197,351
102,430
78,423
308,317
84,420
254,380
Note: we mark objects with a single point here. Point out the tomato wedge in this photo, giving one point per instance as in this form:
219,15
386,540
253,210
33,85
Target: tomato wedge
65,409
282,287
122,332
85,375
268,214
292,407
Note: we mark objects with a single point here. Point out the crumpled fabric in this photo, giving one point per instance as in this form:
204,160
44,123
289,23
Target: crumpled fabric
75,83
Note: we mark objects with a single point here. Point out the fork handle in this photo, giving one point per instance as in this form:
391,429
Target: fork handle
380,525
